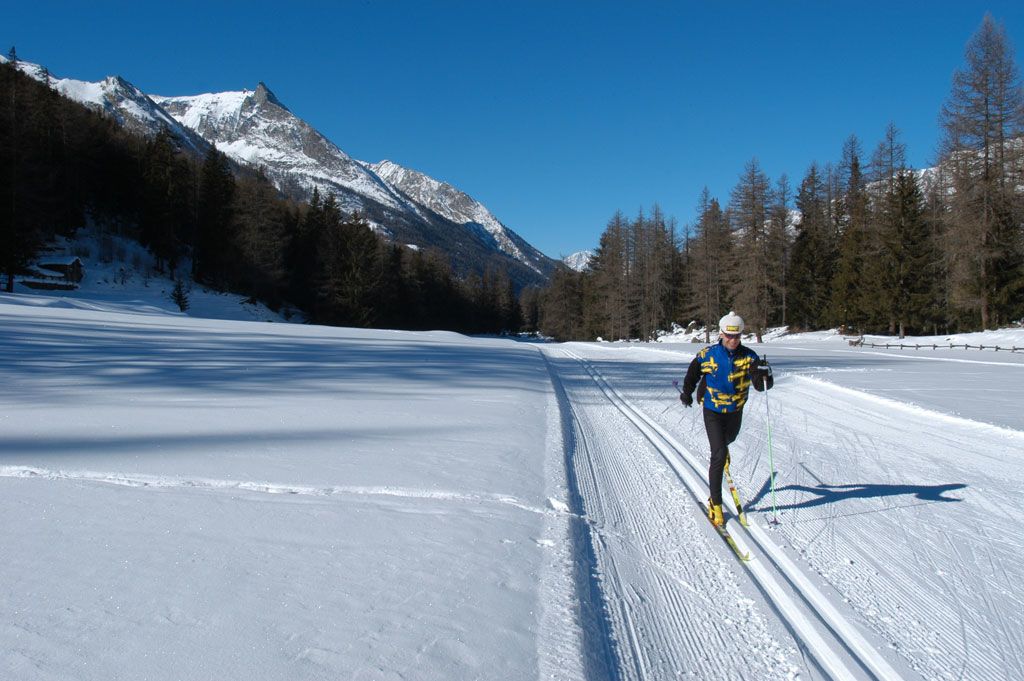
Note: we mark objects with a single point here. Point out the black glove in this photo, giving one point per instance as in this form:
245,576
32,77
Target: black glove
686,399
761,376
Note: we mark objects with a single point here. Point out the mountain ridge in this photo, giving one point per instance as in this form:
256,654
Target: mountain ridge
254,128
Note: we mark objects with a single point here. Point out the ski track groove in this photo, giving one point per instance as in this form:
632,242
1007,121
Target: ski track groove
809,633
657,623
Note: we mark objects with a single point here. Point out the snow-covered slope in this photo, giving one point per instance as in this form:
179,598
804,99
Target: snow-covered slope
119,273
458,207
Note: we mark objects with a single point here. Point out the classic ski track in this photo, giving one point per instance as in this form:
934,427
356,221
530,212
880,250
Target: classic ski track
836,627
593,493
911,570
654,609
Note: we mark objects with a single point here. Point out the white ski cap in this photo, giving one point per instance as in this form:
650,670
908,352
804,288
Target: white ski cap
731,323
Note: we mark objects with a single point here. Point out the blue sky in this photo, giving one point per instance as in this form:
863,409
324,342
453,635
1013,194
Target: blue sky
553,113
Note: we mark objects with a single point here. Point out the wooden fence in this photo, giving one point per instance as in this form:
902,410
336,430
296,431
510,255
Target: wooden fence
861,343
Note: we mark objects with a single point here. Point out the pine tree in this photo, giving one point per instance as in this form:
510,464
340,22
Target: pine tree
652,255
909,257
606,309
983,120
561,308
260,231
214,243
166,217
779,247
529,305
750,288
13,247
887,162
711,251
301,260
351,273
180,295
850,282
813,258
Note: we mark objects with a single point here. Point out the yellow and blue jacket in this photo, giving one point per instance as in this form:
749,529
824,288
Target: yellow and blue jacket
726,376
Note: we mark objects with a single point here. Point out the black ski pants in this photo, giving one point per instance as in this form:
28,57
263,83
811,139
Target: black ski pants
722,430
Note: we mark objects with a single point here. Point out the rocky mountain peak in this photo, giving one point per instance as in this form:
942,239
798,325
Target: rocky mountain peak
263,96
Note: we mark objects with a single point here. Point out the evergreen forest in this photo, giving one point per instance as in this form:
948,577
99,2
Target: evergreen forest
65,166
865,244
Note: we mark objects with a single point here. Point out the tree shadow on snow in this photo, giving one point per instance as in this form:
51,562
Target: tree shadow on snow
52,360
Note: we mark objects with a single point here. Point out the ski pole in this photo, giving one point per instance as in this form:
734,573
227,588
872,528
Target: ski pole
771,462
676,385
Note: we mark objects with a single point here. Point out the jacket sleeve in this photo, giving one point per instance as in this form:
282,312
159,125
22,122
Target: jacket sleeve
693,374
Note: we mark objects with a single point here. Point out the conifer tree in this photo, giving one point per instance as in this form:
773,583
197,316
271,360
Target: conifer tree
529,304
850,286
351,272
304,267
657,274
166,216
887,162
910,259
813,257
779,246
983,120
711,252
561,308
605,295
260,233
749,281
180,295
214,243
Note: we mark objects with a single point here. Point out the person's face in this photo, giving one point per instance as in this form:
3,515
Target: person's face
731,340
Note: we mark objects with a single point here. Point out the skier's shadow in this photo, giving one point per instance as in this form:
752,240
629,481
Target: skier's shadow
830,494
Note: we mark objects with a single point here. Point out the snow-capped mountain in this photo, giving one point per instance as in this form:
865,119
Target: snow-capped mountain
458,207
120,100
254,128
579,261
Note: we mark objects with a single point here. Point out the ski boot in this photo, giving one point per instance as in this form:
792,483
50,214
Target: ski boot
715,514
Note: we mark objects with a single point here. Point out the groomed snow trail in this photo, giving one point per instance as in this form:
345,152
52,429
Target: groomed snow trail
674,604
904,517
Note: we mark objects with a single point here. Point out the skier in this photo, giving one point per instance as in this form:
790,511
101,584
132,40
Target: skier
725,371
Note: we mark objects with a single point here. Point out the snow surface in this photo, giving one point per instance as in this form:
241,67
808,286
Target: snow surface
187,497
221,109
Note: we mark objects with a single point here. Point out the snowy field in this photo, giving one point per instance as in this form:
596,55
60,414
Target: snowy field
190,498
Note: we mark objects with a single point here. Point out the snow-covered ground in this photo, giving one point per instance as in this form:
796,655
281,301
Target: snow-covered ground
120,274
195,498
